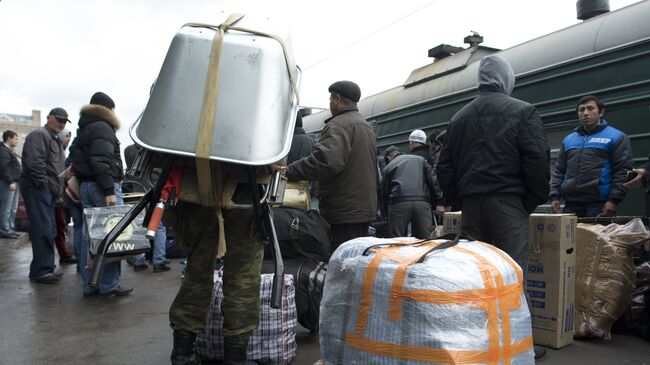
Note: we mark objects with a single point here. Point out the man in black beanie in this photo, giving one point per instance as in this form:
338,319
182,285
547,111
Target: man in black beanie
97,164
343,162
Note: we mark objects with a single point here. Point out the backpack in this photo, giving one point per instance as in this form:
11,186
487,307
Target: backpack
301,234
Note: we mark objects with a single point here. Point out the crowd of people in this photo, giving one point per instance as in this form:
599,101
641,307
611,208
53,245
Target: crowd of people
492,162
56,189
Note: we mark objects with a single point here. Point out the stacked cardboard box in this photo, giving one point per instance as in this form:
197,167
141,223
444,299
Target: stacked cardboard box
551,278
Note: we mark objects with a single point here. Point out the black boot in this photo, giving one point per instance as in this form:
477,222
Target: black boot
183,352
234,351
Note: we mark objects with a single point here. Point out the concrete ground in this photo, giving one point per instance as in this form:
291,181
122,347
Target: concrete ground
54,324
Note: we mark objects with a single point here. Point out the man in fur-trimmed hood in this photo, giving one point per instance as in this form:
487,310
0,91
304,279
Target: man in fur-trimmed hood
100,161
97,163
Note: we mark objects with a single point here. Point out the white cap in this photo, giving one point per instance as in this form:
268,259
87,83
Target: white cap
419,136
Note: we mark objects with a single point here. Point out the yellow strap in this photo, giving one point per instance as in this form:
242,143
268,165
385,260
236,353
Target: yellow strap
208,113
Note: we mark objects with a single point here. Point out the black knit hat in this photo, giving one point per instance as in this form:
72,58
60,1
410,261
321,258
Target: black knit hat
346,89
99,98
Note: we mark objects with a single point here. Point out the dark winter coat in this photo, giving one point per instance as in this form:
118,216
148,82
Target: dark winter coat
43,160
409,178
96,154
423,151
343,162
592,166
10,169
495,144
301,145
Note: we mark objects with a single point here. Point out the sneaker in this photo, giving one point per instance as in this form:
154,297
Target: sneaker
540,353
161,267
117,292
57,274
67,259
167,261
48,278
140,267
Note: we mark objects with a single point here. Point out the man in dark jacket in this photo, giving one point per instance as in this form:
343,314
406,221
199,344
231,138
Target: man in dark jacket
593,162
10,172
97,164
302,144
418,145
343,162
43,161
408,193
496,161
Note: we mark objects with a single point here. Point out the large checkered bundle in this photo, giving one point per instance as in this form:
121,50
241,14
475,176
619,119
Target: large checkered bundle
274,340
404,303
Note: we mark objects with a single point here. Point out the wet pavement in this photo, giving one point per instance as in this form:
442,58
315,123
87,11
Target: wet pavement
54,324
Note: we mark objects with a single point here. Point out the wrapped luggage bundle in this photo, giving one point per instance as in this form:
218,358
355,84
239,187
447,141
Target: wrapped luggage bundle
605,276
400,301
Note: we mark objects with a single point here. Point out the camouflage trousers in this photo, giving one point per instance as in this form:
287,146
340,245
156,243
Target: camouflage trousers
198,232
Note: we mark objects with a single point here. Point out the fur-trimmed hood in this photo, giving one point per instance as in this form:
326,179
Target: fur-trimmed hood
92,113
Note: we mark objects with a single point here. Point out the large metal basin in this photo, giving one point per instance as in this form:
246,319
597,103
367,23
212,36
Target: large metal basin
256,107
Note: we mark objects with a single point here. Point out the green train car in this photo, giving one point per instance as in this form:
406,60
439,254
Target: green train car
608,55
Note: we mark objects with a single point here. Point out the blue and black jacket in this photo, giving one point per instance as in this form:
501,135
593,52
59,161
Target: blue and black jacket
592,165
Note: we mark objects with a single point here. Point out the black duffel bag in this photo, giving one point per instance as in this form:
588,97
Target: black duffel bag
301,234
309,278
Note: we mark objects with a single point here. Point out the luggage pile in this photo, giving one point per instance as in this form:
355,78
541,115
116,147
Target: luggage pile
401,301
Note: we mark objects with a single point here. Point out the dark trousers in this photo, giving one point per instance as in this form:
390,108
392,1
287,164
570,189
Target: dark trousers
198,233
61,230
418,213
500,220
583,209
39,204
344,232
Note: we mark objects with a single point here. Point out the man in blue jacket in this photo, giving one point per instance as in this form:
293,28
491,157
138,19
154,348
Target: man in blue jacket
590,170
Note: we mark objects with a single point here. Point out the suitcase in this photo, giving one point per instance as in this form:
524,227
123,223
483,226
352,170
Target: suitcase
274,340
405,302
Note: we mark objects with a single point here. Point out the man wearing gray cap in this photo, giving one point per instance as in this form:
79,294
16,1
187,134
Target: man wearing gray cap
343,162
43,161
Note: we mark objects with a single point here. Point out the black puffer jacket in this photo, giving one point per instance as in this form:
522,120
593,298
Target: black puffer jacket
96,154
495,144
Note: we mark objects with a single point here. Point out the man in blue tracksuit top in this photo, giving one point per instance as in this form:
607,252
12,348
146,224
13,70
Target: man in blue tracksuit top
590,170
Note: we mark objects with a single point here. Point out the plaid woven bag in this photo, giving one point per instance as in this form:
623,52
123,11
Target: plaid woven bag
274,340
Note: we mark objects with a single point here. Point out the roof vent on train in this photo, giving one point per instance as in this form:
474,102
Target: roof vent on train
588,9
449,59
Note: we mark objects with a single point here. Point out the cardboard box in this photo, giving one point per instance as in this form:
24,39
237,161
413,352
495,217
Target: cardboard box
551,278
451,222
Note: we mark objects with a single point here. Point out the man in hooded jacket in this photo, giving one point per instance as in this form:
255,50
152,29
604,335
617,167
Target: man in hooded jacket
496,161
